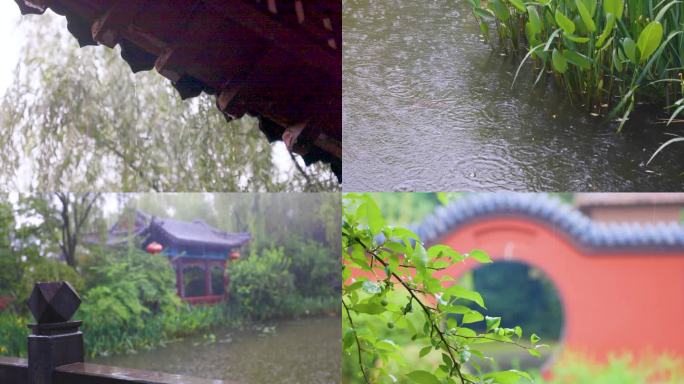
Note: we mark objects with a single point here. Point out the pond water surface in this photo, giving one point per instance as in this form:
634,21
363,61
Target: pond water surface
306,351
428,106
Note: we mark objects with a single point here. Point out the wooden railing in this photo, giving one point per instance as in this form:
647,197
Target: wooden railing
56,351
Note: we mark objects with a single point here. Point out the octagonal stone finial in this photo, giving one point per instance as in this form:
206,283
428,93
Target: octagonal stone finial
53,302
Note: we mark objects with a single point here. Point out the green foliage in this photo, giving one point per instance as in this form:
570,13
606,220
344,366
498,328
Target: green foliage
129,296
13,333
260,284
608,55
21,256
621,369
407,208
533,304
44,269
131,289
316,271
396,305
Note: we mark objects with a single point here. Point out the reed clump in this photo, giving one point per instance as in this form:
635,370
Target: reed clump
608,55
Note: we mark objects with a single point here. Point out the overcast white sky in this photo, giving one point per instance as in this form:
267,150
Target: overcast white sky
11,41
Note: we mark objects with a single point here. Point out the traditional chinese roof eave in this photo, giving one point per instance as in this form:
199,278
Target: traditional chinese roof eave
240,239
580,230
275,59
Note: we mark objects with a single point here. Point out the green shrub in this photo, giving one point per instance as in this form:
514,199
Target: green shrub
43,269
623,369
315,268
260,284
122,313
13,333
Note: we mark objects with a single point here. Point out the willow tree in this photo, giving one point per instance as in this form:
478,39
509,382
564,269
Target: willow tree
79,119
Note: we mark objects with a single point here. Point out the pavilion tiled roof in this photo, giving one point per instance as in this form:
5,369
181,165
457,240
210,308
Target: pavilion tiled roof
199,232
551,211
280,60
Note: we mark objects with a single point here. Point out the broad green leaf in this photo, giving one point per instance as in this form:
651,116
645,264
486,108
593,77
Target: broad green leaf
432,284
577,59
375,219
518,331
499,9
463,293
394,247
484,13
348,338
386,345
424,351
615,7
610,24
466,332
441,250
534,352
472,317
533,17
457,309
560,64
480,256
518,5
419,257
590,5
447,360
630,49
586,16
423,377
649,40
370,308
575,38
534,338
404,234
359,257
492,322
564,23
507,377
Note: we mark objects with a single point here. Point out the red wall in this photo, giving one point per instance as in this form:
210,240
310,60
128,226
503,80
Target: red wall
613,302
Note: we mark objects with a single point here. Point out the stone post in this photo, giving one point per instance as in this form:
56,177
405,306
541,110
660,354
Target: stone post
54,339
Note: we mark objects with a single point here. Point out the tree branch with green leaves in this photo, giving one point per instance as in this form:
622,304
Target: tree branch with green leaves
406,319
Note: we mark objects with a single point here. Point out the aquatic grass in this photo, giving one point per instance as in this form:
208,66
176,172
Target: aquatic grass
608,55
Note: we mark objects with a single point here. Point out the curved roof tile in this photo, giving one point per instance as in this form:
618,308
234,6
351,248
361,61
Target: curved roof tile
551,210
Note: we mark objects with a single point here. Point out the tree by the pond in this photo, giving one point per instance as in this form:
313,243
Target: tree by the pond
401,323
78,119
129,296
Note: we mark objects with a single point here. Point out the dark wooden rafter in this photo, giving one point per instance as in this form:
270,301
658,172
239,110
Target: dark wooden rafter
276,59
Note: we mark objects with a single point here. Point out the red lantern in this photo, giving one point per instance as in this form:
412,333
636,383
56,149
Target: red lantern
234,255
154,248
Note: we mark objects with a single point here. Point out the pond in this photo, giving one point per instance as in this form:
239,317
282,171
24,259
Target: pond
306,351
427,106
